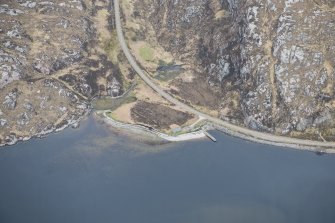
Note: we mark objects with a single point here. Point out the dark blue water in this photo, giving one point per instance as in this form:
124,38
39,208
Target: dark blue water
91,175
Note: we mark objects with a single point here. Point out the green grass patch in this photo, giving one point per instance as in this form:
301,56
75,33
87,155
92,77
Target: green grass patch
112,103
146,53
111,115
182,131
200,124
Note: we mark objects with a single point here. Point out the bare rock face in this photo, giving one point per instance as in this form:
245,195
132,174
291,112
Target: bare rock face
277,56
51,64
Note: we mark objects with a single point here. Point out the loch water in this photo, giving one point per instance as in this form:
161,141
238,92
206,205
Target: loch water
92,174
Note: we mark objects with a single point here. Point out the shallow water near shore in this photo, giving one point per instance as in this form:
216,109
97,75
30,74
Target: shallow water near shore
91,174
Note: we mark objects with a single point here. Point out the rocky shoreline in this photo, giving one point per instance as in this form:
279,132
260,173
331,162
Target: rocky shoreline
317,150
150,132
74,123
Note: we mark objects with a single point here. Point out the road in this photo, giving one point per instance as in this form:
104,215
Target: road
240,131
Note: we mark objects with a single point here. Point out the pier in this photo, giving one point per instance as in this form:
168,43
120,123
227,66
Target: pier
210,136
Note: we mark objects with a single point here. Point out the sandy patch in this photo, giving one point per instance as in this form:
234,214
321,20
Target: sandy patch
123,113
145,93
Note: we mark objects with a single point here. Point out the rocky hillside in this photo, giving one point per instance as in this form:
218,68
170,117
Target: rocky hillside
53,60
272,62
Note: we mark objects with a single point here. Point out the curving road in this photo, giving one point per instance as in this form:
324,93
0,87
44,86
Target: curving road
233,129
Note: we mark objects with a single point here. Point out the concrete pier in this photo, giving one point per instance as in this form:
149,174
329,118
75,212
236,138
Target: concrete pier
210,136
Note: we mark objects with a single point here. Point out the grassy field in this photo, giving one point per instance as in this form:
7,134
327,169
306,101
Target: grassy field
112,103
146,53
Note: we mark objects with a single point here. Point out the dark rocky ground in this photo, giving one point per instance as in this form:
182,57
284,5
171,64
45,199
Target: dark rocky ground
270,63
158,116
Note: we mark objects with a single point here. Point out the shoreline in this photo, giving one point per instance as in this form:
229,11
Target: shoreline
74,123
136,128
282,145
150,132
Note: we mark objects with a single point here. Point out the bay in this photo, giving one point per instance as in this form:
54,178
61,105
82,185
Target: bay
92,174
